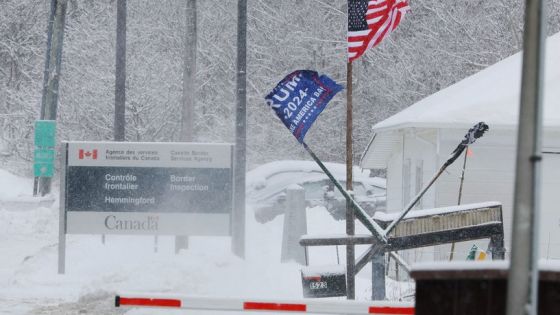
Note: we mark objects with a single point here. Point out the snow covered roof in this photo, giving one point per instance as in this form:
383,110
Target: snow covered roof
491,95
383,216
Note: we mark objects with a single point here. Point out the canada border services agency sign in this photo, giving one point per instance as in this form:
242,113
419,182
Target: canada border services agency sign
147,188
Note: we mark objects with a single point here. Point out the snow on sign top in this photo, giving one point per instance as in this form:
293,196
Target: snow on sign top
382,216
491,95
150,154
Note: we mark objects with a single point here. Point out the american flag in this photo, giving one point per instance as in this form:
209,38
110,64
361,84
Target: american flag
370,21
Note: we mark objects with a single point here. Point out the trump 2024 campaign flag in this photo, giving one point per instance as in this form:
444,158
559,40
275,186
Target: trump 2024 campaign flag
300,97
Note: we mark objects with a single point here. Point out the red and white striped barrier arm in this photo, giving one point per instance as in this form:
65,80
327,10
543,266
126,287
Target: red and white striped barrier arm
278,306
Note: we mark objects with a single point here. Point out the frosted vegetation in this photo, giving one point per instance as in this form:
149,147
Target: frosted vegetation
439,43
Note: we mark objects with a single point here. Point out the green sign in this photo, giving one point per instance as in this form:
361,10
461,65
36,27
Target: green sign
472,253
43,169
44,156
45,131
44,162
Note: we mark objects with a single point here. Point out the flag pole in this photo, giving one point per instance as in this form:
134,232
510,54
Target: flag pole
350,257
350,228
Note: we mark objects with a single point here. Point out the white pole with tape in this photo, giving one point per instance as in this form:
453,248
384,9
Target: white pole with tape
278,306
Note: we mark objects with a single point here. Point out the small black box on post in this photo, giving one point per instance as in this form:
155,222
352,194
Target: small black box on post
325,281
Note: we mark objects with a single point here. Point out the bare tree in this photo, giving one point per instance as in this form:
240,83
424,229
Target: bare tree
437,44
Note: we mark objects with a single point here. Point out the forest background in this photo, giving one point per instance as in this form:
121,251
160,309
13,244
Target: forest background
437,44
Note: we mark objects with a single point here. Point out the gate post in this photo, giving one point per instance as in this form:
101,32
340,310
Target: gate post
378,276
295,225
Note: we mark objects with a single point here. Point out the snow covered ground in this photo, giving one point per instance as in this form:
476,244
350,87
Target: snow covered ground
29,283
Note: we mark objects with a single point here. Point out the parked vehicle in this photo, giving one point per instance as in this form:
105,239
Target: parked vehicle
266,188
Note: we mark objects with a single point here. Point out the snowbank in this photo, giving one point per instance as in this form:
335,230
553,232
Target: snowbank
29,283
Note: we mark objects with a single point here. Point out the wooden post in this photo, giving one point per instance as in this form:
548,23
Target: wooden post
460,195
350,259
53,68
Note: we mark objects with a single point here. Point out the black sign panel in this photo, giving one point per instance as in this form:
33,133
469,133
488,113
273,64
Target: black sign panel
149,189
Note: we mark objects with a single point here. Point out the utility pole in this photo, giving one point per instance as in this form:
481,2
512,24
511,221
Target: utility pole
120,72
238,216
189,91
52,73
189,74
524,271
45,77
120,77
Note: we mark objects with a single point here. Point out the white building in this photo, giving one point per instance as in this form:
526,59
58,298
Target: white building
413,144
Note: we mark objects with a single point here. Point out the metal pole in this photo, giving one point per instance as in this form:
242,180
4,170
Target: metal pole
378,276
238,218
523,274
361,215
189,92
350,250
295,225
62,210
120,72
53,75
120,77
414,201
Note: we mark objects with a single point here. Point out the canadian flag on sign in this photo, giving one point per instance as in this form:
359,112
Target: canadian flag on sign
87,154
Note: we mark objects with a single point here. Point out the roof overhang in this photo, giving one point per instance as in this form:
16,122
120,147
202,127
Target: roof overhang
379,149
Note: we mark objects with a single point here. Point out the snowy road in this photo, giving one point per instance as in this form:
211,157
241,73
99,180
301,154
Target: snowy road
29,283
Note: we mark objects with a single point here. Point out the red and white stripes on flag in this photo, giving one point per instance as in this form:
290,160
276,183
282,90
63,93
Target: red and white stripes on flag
370,21
310,306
